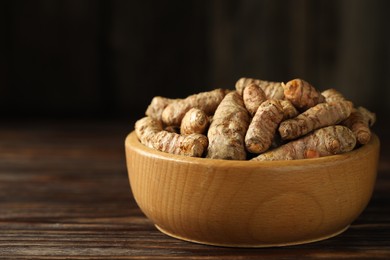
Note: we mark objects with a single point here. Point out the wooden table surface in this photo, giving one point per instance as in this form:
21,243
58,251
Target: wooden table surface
64,193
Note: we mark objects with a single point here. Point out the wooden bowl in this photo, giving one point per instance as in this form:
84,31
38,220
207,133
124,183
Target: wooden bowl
248,203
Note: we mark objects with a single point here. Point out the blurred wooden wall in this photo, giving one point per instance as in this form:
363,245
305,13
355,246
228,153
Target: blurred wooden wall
340,44
109,58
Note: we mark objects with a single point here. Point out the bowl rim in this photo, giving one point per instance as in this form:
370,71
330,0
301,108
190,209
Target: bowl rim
133,142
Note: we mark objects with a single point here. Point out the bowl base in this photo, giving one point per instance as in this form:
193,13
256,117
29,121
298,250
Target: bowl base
260,245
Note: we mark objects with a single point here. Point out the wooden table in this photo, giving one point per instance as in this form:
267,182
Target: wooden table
64,193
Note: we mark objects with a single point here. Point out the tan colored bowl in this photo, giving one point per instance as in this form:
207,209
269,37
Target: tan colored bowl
248,203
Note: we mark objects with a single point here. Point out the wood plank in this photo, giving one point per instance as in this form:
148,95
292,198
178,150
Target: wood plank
64,194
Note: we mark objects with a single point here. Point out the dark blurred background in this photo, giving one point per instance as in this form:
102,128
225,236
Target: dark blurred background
107,59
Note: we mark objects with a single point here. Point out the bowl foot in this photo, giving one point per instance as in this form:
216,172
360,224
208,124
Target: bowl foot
254,245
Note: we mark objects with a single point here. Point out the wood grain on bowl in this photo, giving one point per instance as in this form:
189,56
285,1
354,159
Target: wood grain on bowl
251,204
